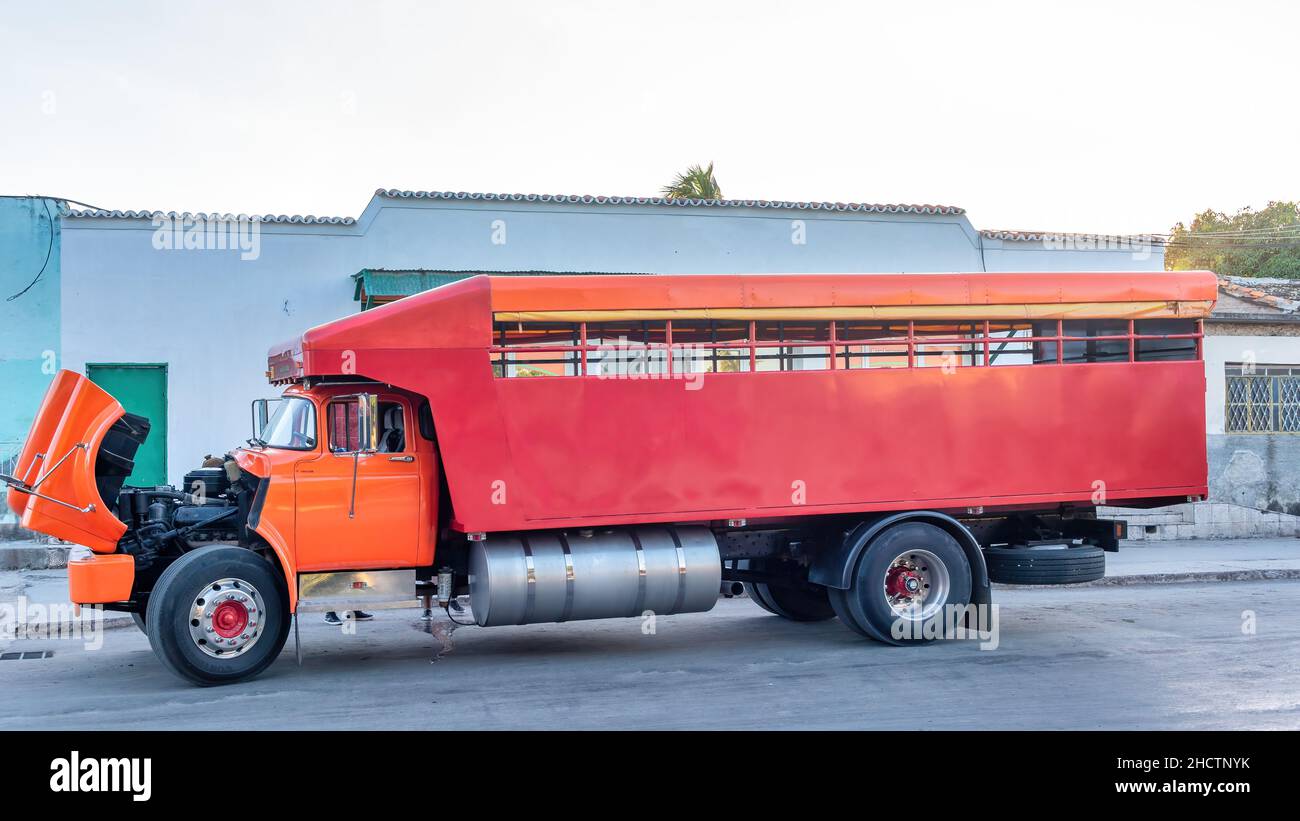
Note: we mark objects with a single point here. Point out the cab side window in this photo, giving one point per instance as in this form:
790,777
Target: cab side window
392,428
344,432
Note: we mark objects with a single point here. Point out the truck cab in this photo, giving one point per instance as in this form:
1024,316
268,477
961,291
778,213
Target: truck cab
353,476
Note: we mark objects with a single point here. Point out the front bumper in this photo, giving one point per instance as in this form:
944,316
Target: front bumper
101,579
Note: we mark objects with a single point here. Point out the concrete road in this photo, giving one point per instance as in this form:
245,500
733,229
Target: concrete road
1161,656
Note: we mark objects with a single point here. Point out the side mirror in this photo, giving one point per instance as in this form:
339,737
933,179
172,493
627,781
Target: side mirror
261,415
354,423
364,408
367,422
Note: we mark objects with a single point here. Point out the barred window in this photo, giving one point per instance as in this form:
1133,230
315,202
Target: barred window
536,349
872,344
810,350
710,346
1263,398
661,347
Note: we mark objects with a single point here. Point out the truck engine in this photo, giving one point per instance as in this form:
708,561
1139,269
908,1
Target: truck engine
163,522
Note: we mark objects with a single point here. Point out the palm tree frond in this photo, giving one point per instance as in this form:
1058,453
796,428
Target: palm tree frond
696,183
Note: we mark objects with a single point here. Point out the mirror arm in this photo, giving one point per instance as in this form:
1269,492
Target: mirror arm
352,505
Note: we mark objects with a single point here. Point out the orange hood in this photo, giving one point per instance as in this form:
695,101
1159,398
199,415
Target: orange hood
55,488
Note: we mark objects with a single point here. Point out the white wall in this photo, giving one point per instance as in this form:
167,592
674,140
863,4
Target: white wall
1068,255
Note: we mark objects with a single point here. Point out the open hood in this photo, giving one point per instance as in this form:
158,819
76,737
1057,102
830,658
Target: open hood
78,453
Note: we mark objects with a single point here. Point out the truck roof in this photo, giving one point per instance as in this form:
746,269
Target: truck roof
572,295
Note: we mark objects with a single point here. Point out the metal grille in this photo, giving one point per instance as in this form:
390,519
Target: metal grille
1263,403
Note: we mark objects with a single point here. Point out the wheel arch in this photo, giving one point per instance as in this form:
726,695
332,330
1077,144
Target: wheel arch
283,562
833,567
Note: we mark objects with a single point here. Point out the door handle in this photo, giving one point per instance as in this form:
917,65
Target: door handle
401,458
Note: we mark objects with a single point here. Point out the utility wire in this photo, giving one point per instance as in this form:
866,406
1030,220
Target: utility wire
48,251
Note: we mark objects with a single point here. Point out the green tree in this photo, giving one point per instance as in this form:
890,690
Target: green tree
697,183
1250,243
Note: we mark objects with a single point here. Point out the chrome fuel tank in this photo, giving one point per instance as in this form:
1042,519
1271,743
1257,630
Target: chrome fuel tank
550,576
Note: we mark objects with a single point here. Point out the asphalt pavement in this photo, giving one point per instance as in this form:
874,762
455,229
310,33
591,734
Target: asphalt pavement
1214,655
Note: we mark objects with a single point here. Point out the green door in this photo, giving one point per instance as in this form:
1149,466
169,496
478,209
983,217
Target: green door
142,390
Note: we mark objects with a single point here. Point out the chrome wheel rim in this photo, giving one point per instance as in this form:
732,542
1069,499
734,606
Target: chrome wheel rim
916,585
226,618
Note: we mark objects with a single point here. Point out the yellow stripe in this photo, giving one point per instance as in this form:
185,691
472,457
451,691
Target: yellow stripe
1059,310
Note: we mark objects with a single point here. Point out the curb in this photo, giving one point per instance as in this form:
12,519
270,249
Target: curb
34,556
113,620
1276,574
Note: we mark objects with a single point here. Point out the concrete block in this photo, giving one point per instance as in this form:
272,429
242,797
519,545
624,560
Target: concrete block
32,556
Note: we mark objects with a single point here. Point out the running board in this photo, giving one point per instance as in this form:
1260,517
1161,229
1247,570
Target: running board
357,590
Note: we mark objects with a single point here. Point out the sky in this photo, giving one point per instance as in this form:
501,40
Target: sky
1088,117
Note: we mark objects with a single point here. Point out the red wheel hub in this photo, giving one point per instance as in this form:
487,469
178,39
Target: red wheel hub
229,619
902,581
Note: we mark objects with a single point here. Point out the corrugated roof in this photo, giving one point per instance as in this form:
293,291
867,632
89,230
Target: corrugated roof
567,199
189,216
1281,294
379,285
591,199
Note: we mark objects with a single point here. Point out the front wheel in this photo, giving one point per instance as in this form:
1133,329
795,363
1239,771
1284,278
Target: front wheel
218,615
904,584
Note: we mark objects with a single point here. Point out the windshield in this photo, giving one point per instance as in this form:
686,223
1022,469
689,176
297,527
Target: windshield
292,424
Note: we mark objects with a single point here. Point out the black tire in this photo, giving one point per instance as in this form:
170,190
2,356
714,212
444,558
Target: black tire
1075,564
865,606
839,600
180,588
751,590
138,615
793,603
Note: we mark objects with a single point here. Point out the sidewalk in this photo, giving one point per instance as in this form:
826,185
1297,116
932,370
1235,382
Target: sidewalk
1165,562
1168,562
45,593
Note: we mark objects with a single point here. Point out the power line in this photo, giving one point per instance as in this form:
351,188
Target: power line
1283,230
48,251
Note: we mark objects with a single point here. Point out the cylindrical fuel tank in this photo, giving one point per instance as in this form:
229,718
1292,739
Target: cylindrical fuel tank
549,576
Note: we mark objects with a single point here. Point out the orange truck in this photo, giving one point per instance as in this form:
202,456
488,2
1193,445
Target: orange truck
877,448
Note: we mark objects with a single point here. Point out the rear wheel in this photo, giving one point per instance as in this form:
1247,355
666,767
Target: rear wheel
751,590
789,602
903,583
218,615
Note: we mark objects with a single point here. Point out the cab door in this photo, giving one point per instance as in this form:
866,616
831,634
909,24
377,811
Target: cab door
375,526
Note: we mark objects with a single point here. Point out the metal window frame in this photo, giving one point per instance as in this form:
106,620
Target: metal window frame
1273,407
976,346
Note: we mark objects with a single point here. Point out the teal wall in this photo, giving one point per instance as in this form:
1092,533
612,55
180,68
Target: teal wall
29,324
